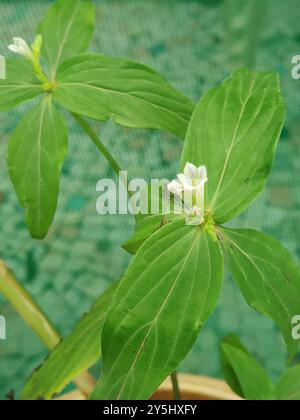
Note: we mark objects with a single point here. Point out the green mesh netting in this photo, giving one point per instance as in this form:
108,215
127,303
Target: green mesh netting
188,42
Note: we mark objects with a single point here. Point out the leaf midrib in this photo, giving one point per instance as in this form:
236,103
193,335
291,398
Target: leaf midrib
248,256
252,146
117,92
154,321
228,154
63,43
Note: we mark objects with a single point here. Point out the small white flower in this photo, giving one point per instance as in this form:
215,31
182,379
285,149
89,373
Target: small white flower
190,188
20,47
193,177
175,187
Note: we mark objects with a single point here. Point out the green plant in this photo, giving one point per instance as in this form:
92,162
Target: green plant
173,283
149,321
58,70
250,380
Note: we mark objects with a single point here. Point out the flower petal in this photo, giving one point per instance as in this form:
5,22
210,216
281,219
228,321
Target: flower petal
17,41
202,174
13,48
20,47
191,171
175,188
20,43
186,182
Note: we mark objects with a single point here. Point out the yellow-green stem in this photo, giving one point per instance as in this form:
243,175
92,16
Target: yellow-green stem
34,316
27,308
100,146
95,139
39,71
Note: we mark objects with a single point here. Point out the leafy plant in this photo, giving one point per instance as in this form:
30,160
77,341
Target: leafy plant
173,283
38,321
149,322
250,380
73,355
57,69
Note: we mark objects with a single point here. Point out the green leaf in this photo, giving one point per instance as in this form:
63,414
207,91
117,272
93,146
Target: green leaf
132,94
169,291
67,30
267,276
234,132
36,152
145,228
20,84
162,209
75,353
288,388
229,373
254,381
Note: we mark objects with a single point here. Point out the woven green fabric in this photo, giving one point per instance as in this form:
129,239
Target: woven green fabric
186,41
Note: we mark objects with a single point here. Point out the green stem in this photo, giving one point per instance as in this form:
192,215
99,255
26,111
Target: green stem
93,136
176,391
34,316
27,308
39,71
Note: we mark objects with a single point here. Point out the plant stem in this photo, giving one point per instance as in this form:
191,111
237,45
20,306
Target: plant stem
39,71
85,382
34,316
27,308
176,391
93,136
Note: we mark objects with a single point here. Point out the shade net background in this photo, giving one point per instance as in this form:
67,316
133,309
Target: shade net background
194,44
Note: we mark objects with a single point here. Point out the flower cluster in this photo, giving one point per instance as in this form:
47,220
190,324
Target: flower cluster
189,187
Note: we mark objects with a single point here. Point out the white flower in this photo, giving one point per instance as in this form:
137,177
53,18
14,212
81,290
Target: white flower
175,187
20,47
193,177
190,188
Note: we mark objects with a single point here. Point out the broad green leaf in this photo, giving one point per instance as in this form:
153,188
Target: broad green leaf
36,152
20,84
234,132
169,291
288,388
132,94
162,208
253,379
229,373
267,277
145,228
67,30
75,354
